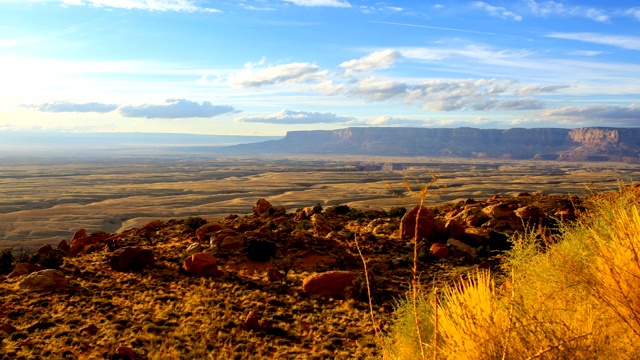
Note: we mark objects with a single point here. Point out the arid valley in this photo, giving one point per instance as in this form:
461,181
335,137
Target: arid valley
45,199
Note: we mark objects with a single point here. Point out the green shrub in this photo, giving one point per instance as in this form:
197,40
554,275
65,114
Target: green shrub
194,222
397,211
6,261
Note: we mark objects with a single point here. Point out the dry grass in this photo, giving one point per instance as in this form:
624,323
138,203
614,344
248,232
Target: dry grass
574,298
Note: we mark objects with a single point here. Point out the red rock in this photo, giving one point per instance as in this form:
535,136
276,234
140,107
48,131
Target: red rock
454,229
131,259
152,226
499,211
79,234
427,226
63,246
441,251
201,264
78,244
44,249
262,208
91,329
329,283
305,213
207,230
232,243
24,269
126,352
274,275
252,322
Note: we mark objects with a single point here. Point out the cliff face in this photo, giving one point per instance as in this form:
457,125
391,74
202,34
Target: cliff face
518,143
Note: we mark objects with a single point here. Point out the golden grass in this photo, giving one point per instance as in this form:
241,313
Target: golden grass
577,298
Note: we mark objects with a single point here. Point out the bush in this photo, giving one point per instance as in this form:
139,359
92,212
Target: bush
51,260
194,222
397,211
6,261
260,250
574,297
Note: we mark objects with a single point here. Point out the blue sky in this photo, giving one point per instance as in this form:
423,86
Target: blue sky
263,67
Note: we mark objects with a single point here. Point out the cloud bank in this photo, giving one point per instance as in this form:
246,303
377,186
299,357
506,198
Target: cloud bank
67,106
328,3
296,117
148,5
295,73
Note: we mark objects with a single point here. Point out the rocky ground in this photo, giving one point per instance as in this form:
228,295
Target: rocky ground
271,285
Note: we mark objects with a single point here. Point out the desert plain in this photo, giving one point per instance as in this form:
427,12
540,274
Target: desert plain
46,198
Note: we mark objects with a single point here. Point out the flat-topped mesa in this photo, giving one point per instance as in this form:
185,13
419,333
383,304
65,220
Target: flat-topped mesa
605,135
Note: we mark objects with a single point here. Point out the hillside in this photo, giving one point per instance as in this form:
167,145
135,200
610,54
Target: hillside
584,144
268,285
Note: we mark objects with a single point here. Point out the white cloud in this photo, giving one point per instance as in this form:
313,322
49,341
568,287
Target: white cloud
586,52
376,60
635,12
175,109
329,3
497,11
628,115
393,121
621,41
380,8
296,117
539,89
521,104
547,8
67,106
287,73
378,89
149,5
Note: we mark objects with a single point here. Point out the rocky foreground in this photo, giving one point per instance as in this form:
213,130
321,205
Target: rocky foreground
270,285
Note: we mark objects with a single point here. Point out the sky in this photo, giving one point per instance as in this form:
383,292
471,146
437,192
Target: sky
265,67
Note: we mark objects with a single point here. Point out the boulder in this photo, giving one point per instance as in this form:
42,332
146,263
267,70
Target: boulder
460,246
305,213
385,229
426,224
194,248
78,244
274,275
125,353
45,280
262,208
79,234
330,283
205,231
201,264
472,215
63,246
131,259
44,249
499,211
24,269
8,328
441,251
321,224
232,243
252,321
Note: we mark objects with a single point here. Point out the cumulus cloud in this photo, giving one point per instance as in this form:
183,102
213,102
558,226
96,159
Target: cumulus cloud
635,12
287,73
148,5
521,104
628,115
329,3
621,41
176,108
497,11
296,117
547,8
376,60
67,106
393,121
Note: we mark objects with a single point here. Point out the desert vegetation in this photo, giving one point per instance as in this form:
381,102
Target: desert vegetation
569,295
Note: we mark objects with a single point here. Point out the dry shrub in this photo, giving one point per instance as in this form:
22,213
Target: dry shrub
575,298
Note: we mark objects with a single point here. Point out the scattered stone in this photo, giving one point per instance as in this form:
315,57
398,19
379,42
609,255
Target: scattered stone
90,329
252,321
460,246
78,244
194,248
232,243
131,259
305,213
45,280
64,246
329,283
205,231
441,251
262,208
125,353
426,224
274,275
321,224
44,249
24,269
201,264
79,234
8,328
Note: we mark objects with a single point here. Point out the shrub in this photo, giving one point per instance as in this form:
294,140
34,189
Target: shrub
6,261
260,250
574,297
397,211
194,222
51,260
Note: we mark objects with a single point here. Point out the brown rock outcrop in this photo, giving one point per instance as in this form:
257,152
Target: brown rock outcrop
262,208
24,269
45,280
206,230
321,224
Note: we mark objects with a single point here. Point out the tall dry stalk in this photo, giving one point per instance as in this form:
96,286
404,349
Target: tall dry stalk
366,278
